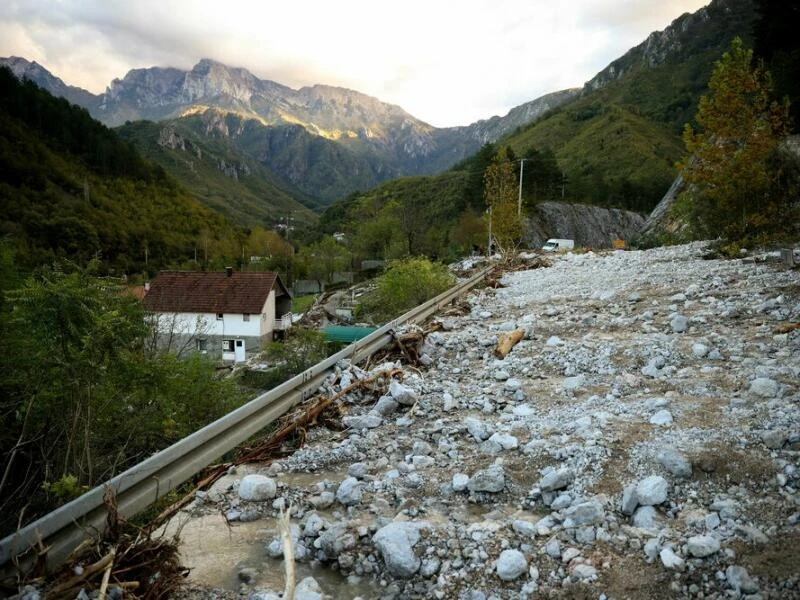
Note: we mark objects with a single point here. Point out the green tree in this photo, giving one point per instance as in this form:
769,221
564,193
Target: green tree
473,194
406,284
75,329
324,258
302,349
542,177
376,237
413,220
733,189
501,193
469,232
80,398
272,251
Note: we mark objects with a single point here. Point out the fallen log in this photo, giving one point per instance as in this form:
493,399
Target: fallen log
506,341
786,328
84,576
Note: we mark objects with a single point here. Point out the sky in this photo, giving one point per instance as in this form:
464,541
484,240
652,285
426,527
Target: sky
446,63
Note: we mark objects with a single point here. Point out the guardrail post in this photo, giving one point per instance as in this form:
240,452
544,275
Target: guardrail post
787,256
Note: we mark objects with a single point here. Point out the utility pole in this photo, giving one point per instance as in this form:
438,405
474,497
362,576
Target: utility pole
563,185
519,199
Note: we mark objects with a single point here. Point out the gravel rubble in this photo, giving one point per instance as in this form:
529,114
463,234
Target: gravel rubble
641,441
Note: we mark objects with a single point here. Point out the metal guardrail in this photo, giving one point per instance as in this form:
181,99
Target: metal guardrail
66,527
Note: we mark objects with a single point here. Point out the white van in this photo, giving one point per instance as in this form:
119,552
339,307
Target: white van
556,244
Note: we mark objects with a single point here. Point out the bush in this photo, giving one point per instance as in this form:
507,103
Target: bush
303,348
80,398
656,239
405,284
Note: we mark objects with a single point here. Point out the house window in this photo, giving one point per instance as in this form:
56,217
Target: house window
219,316
245,317
202,344
227,345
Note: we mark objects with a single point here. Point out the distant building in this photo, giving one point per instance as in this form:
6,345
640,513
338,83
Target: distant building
225,315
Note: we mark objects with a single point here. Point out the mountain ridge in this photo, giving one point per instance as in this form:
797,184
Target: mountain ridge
337,113
326,142
673,42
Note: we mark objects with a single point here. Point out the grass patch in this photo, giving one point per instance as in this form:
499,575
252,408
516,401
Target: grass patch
301,303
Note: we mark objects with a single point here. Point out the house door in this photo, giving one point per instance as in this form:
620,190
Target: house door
239,351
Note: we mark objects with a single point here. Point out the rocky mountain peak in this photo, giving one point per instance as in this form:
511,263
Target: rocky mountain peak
489,130
26,69
210,78
142,87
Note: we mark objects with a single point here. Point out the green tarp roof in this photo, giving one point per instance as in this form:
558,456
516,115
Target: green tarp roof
338,333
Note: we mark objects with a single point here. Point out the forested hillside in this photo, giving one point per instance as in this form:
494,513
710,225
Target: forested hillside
209,164
616,145
71,188
619,142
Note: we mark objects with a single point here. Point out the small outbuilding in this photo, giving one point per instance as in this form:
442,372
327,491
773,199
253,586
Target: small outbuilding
225,315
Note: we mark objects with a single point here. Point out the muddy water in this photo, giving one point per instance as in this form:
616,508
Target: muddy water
216,553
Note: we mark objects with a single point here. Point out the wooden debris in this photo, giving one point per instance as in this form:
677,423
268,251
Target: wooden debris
106,576
786,328
407,344
77,581
307,416
126,557
285,527
492,282
457,309
507,341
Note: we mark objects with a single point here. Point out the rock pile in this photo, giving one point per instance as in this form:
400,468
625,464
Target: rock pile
641,441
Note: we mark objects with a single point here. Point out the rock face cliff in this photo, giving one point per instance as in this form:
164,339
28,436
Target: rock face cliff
589,226
493,129
660,218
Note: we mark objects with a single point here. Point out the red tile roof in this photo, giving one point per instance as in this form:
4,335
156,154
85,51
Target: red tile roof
198,292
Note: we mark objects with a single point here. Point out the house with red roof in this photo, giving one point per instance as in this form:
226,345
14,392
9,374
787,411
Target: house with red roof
225,315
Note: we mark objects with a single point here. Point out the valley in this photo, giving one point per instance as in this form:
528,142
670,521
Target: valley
637,435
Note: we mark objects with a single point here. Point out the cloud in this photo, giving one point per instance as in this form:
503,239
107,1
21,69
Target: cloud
446,64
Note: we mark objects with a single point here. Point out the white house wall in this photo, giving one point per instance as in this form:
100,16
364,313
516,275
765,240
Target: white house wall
206,324
267,317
